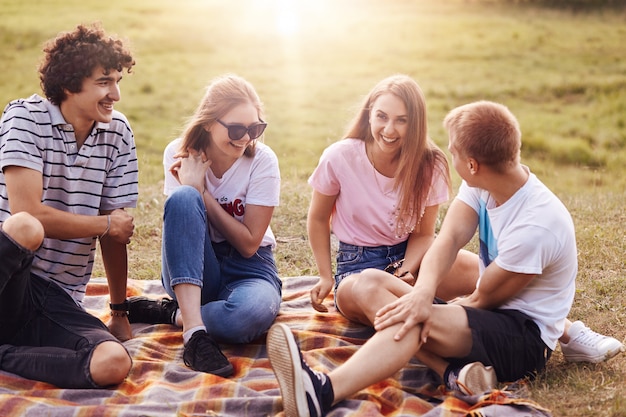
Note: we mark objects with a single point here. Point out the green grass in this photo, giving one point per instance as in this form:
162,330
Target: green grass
563,74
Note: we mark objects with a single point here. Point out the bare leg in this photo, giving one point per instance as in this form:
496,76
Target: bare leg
462,277
361,295
450,336
388,355
189,296
25,230
110,364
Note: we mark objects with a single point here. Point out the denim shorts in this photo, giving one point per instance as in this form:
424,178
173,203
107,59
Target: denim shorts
352,259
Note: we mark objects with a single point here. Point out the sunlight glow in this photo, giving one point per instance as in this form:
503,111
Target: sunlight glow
287,20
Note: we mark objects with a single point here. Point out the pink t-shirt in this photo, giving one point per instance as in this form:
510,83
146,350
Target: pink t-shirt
365,209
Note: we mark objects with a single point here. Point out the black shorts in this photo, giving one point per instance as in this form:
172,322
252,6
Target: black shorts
508,340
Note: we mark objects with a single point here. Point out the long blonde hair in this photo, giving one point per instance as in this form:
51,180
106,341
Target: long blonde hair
419,156
222,95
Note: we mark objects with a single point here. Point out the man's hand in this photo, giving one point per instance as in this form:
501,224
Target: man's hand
412,309
122,226
120,328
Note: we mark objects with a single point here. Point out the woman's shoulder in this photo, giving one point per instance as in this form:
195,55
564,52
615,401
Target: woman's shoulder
264,151
264,157
174,144
170,150
172,147
345,148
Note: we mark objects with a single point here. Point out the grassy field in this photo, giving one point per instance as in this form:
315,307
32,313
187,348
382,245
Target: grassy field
563,74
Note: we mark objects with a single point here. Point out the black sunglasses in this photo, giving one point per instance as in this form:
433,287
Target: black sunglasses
238,131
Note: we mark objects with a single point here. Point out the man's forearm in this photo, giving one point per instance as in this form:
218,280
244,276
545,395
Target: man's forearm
115,261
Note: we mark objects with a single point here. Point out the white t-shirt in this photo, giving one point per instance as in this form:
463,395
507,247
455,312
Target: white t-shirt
253,180
365,210
531,233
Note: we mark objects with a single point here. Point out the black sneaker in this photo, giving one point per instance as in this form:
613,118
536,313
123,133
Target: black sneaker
305,392
145,310
202,354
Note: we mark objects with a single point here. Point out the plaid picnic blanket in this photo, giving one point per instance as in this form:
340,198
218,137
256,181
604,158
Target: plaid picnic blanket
160,385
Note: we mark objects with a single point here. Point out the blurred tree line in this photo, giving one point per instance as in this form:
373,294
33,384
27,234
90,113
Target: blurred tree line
575,4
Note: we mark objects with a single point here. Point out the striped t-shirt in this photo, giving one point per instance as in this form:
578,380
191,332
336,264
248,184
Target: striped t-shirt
101,175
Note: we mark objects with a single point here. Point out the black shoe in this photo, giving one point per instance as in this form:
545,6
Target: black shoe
145,310
305,392
204,355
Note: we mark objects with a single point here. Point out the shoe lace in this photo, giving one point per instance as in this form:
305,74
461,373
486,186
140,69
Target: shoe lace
205,351
461,386
588,337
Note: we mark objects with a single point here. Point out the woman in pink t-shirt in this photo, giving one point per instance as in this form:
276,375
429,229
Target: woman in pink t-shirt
378,190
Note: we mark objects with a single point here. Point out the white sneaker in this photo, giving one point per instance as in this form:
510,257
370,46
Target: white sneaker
585,345
476,378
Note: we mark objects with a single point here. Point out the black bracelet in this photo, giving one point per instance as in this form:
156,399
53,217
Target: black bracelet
119,307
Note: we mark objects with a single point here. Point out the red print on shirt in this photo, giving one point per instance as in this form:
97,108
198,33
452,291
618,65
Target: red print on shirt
234,208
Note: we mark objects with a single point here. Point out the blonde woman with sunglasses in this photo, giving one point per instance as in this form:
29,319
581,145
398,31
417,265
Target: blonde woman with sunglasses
222,185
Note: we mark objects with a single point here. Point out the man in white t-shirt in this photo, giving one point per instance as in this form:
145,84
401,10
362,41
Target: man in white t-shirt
507,328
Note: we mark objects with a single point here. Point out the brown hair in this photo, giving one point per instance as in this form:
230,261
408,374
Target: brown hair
486,131
72,56
222,95
419,156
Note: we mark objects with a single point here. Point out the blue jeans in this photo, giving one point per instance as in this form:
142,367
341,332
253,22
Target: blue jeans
240,296
353,259
44,335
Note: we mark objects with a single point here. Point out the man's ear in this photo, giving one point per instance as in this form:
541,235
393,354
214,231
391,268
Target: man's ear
472,165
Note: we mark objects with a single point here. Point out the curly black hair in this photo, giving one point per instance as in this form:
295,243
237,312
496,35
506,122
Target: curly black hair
72,56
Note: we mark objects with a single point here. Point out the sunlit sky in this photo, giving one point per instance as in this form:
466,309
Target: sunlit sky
289,16
287,19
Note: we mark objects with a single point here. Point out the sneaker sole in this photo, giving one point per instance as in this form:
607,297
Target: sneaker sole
595,359
476,378
285,361
224,372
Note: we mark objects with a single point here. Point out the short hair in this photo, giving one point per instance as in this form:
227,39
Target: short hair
72,56
222,95
486,131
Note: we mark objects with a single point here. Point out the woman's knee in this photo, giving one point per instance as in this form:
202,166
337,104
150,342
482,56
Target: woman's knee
246,324
25,230
369,282
110,364
182,198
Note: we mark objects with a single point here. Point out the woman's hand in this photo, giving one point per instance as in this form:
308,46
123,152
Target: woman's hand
319,292
405,276
190,168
